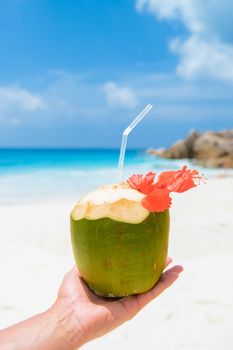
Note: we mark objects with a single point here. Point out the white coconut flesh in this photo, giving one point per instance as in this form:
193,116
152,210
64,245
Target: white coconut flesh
118,202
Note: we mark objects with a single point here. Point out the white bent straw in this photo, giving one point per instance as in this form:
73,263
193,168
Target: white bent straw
125,135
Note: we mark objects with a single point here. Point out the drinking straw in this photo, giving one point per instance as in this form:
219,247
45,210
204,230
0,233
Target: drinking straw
125,135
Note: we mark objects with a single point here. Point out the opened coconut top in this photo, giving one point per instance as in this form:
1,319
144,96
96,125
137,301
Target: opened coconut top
118,202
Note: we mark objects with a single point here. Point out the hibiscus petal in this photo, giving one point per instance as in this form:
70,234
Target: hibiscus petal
135,180
157,201
166,179
180,180
142,183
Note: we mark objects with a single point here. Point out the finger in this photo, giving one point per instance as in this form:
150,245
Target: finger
166,280
75,271
73,275
74,287
168,261
133,304
73,279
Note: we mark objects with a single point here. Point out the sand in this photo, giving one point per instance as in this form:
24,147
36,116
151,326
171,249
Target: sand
195,313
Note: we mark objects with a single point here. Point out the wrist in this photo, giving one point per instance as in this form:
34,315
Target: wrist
66,328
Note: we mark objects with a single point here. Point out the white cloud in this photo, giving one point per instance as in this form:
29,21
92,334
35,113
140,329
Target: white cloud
206,52
119,96
16,98
201,58
184,10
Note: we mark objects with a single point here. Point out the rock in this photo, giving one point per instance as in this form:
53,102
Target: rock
154,152
222,162
210,149
179,150
191,139
212,145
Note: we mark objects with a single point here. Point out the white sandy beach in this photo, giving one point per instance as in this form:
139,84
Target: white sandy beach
195,313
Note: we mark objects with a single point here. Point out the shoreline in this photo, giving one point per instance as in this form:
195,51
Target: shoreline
70,192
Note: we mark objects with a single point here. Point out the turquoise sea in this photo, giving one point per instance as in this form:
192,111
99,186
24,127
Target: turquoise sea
45,174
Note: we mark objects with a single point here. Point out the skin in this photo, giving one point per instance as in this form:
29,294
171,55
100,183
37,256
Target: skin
79,316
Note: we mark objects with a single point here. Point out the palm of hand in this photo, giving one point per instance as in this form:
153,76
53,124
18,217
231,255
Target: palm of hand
95,316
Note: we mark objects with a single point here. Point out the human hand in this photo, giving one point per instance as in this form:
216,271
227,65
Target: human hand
86,316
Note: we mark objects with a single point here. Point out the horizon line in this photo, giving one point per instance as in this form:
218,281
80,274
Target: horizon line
71,148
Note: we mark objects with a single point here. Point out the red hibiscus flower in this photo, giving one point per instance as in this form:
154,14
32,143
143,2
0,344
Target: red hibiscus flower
157,197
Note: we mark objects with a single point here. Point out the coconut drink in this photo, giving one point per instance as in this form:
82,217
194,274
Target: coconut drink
120,232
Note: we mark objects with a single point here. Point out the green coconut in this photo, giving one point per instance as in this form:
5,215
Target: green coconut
120,248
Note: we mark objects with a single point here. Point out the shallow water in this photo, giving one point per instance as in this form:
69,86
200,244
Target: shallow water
42,174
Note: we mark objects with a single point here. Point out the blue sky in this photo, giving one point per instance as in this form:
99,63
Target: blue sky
75,73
